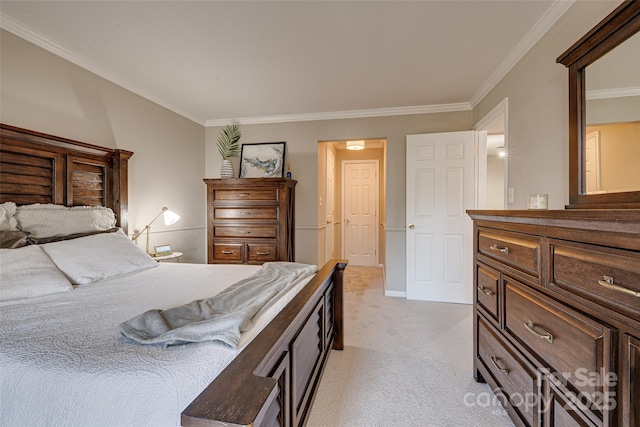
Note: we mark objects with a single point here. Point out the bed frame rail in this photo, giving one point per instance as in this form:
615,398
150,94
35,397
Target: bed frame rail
273,381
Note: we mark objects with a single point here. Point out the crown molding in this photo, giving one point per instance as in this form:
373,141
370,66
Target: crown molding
613,93
354,114
19,29
557,9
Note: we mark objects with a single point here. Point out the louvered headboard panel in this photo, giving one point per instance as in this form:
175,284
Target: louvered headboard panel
40,168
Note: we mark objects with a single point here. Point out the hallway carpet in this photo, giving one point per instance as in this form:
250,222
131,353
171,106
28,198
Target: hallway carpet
405,363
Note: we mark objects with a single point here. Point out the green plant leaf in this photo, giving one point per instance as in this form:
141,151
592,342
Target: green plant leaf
228,138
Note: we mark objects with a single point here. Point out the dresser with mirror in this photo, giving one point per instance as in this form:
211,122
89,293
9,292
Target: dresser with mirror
557,298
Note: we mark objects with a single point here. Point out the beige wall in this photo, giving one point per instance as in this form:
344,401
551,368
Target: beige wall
43,92
302,149
537,88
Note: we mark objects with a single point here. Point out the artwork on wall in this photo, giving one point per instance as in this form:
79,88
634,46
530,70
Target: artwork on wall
262,160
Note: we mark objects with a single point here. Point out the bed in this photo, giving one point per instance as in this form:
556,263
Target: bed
89,374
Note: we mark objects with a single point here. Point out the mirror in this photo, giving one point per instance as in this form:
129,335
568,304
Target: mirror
604,112
612,121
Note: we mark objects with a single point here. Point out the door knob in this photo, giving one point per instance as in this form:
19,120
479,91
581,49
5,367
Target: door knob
411,226
348,221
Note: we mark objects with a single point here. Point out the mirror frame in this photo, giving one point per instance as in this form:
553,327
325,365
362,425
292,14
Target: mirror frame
617,27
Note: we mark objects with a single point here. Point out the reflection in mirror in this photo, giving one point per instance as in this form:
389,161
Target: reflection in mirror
612,131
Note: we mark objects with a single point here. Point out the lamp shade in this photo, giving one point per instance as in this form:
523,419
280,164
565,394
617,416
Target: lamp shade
170,216
355,145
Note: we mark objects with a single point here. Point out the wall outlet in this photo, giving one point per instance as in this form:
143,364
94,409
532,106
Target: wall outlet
511,197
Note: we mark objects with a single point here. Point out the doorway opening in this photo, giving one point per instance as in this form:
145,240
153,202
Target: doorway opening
337,229
493,167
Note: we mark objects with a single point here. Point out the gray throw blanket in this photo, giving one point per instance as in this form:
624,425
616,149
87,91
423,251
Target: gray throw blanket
222,317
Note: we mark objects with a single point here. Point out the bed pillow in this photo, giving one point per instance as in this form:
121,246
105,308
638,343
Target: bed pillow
13,239
47,220
28,272
8,220
101,256
43,240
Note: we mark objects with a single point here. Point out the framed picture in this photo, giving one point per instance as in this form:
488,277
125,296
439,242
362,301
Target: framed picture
162,250
262,160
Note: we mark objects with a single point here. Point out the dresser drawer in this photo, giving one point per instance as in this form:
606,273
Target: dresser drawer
248,194
520,251
515,378
247,232
245,213
487,289
563,412
569,343
606,276
260,253
227,252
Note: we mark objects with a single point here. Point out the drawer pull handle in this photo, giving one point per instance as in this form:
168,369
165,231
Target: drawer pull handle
494,360
262,253
227,252
609,284
244,194
497,248
532,328
243,232
486,291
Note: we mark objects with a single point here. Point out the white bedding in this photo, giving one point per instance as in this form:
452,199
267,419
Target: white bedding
63,361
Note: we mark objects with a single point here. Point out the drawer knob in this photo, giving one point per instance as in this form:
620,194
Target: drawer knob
262,253
502,369
486,291
227,252
495,247
609,283
543,336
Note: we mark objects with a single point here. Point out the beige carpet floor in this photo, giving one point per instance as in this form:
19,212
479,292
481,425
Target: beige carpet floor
404,363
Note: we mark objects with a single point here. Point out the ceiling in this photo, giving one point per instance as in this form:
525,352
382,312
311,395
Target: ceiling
268,61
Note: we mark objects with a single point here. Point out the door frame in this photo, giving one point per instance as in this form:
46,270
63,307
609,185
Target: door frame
377,205
502,108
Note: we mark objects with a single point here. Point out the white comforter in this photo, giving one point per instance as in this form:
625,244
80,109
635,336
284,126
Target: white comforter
63,361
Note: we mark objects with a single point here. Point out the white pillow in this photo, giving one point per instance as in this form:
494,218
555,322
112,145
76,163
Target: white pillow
8,220
101,256
28,272
47,220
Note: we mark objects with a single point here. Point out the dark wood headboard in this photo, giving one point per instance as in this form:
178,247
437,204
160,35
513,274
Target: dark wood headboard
40,168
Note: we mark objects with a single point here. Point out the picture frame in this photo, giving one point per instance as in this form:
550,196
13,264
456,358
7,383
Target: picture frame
262,160
161,250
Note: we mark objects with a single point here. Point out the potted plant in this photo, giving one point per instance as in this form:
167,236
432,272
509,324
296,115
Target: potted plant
228,147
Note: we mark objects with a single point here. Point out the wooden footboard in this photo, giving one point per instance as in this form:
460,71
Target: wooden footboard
273,381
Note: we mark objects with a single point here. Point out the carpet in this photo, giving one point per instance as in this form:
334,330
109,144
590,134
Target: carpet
404,363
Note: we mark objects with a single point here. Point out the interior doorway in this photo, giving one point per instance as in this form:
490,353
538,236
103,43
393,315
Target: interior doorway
332,198
493,162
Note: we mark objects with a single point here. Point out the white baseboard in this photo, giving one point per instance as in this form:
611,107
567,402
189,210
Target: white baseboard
395,294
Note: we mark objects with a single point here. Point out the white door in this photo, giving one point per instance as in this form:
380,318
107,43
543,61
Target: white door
440,187
330,206
592,163
360,208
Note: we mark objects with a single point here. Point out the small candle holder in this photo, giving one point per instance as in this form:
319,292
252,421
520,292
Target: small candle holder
538,201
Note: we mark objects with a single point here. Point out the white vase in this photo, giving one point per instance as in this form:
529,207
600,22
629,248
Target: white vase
226,171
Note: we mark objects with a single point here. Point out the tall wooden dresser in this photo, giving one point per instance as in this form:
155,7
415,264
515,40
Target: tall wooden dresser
250,220
557,314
